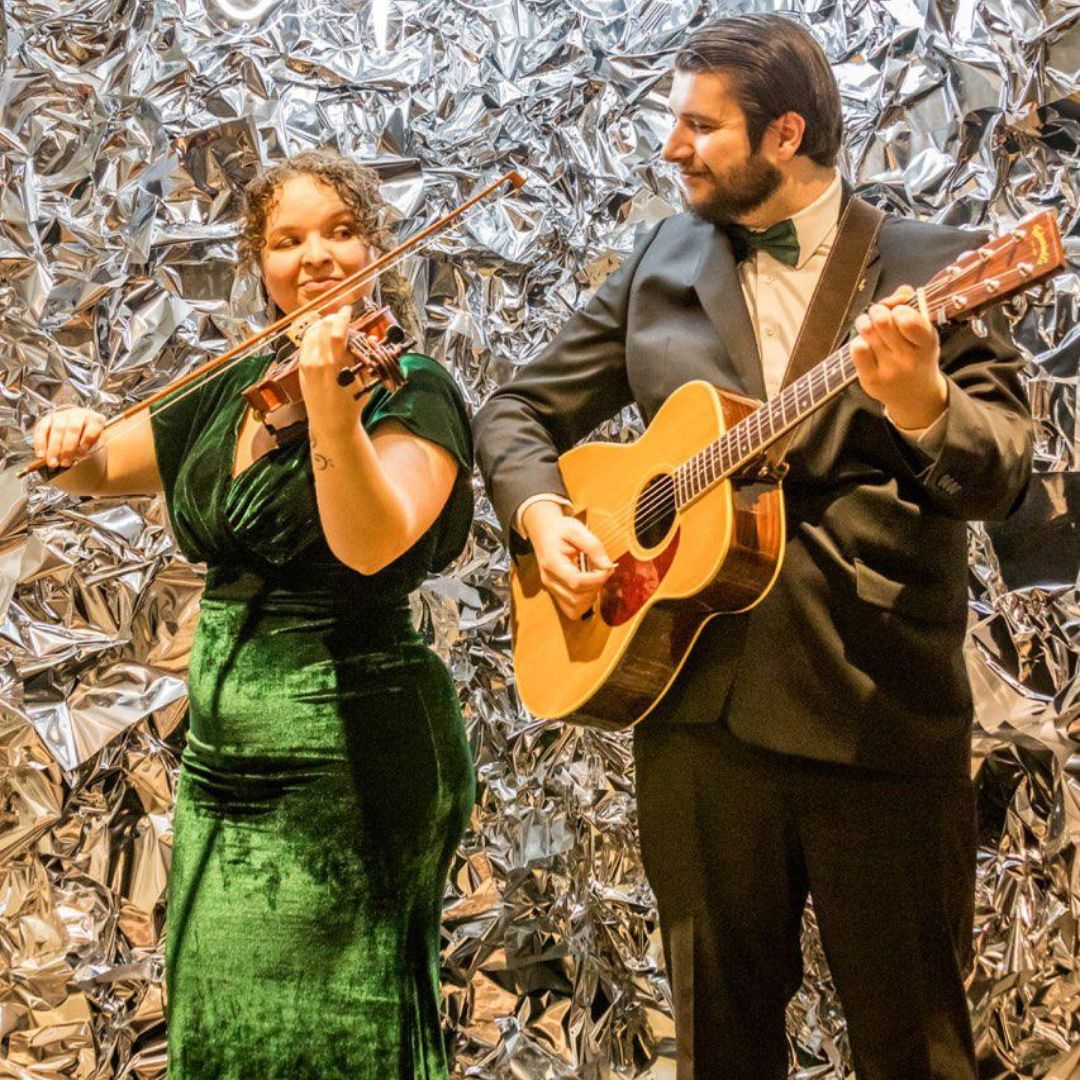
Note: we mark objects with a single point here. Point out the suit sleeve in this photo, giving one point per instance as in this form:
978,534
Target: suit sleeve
576,383
982,469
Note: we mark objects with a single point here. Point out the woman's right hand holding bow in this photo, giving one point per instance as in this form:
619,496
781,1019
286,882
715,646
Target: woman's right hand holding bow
70,439
66,435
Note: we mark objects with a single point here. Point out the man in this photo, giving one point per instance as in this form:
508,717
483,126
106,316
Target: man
819,743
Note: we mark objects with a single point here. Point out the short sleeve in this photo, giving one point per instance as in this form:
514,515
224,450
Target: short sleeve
431,407
174,421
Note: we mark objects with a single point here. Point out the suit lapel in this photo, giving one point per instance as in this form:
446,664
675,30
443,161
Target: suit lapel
717,285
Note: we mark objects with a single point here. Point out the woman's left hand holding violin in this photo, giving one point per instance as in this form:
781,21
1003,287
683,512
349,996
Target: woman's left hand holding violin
333,412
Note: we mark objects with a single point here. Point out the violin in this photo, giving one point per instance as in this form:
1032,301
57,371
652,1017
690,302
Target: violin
375,343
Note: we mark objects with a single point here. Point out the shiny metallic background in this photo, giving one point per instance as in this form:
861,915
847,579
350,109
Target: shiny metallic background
127,128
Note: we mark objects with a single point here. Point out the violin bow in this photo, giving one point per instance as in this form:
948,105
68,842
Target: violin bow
221,364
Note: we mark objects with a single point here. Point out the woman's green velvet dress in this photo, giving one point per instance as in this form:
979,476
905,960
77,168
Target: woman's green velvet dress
326,779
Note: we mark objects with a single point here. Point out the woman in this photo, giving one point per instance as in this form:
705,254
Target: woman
326,779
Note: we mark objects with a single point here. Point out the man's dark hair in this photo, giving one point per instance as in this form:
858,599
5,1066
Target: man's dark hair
772,66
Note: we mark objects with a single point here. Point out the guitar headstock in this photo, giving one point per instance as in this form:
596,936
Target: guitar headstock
1028,253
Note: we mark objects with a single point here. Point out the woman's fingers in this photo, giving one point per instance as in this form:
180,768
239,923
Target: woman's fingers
72,439
64,436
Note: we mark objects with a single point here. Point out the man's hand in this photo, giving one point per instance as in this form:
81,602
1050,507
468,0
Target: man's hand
896,358
558,542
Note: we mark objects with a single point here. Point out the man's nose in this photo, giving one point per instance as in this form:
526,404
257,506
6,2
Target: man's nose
676,148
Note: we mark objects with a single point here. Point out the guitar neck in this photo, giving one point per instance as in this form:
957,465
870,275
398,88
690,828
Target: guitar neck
1028,253
746,441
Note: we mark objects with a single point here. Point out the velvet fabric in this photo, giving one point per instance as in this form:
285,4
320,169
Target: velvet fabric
326,779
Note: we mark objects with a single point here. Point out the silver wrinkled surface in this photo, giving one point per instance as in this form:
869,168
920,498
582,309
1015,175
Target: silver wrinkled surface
126,130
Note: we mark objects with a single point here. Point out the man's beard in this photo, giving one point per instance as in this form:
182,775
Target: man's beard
741,192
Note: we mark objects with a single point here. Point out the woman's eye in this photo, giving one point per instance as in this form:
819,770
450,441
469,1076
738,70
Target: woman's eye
344,232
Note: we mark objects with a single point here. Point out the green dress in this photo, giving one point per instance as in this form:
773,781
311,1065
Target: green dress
326,779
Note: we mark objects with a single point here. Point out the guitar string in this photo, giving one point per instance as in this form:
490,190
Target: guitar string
728,452
664,500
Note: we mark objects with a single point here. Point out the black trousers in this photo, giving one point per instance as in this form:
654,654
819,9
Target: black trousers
735,837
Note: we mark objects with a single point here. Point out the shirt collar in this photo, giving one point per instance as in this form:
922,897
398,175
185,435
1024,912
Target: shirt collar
814,224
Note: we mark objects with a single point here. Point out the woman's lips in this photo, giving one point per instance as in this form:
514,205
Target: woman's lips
320,285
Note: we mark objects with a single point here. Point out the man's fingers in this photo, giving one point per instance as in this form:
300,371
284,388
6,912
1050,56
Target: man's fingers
574,580
882,321
914,327
862,356
898,297
585,581
570,601
586,541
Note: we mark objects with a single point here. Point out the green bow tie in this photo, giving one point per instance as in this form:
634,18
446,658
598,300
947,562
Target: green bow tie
781,242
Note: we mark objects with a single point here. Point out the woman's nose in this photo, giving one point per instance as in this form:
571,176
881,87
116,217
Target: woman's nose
315,251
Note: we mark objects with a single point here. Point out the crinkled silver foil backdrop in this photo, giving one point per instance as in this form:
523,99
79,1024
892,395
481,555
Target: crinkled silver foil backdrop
127,128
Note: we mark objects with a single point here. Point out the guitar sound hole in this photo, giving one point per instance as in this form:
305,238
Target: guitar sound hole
655,511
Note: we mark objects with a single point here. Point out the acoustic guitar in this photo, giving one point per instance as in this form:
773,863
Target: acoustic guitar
692,514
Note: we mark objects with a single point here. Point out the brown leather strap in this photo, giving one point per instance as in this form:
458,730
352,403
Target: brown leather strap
833,301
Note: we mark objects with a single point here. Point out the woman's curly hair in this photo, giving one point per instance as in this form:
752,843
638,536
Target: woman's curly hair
358,188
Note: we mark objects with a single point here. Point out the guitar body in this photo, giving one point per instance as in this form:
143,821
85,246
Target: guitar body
676,569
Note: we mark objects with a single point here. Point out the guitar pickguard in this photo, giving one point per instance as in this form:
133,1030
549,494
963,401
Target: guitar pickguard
633,581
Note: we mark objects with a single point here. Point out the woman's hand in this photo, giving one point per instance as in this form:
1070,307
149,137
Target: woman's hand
332,409
66,435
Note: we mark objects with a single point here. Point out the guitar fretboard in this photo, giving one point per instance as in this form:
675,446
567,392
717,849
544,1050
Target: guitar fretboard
747,440
1025,255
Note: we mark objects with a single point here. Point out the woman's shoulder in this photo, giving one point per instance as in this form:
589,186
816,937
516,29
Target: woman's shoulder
427,384
429,403
427,369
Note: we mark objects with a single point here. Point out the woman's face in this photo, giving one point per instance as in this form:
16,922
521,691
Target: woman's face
311,244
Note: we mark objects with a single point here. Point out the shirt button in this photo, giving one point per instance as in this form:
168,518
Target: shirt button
770,330
769,279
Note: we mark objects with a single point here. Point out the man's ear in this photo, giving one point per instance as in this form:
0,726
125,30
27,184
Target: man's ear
788,131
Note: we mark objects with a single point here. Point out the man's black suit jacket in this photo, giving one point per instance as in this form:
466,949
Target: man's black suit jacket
855,656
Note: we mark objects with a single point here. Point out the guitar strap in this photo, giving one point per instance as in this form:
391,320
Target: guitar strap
834,302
